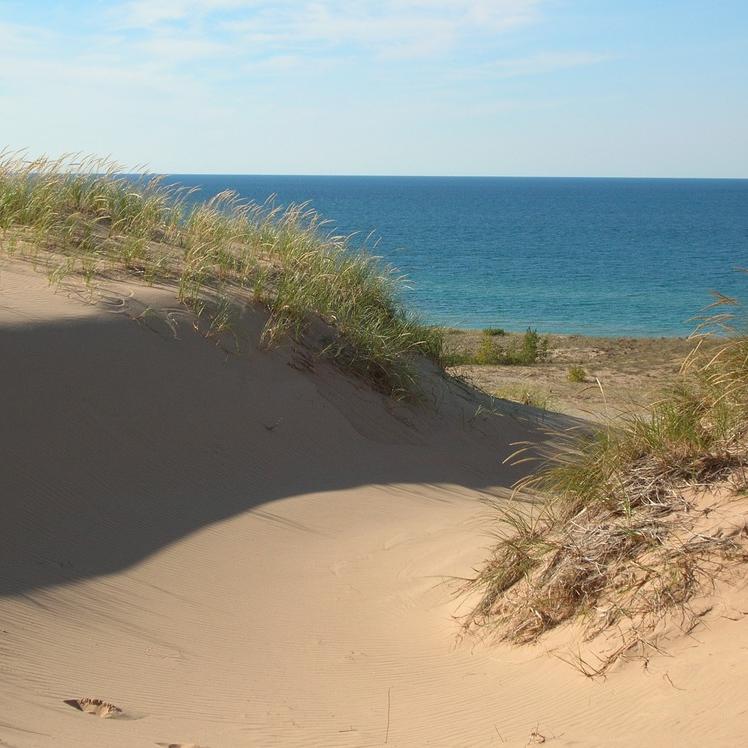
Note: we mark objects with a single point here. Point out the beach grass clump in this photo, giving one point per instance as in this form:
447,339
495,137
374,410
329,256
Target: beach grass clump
82,216
576,374
621,536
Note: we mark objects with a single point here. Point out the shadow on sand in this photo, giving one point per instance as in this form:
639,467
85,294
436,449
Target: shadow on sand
116,441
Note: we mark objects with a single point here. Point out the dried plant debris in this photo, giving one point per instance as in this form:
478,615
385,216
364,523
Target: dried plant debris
631,523
97,707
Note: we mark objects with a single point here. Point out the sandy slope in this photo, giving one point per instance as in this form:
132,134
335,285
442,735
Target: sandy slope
241,552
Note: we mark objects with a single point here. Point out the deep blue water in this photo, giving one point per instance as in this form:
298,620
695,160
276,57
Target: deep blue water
633,257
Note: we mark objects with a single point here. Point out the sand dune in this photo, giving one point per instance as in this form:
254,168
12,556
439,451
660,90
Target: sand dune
204,549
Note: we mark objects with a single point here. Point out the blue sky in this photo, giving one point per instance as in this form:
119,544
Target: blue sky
484,87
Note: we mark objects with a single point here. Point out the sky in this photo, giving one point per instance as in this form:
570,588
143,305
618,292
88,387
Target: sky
425,87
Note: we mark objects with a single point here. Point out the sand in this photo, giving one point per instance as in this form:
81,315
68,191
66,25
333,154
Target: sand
206,549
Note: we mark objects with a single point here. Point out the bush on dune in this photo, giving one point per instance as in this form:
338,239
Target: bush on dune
620,539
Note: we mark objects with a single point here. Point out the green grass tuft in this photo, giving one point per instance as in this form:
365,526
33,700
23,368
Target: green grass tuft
577,374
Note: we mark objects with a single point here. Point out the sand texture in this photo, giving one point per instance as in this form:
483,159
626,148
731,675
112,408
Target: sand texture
206,549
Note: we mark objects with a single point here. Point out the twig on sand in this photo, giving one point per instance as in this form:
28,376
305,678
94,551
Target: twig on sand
387,730
667,678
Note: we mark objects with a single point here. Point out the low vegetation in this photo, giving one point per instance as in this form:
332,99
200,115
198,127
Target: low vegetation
531,348
576,374
81,217
626,533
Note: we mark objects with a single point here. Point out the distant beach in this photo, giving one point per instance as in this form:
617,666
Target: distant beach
610,257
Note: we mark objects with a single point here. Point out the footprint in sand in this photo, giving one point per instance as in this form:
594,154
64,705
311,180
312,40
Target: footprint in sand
97,707
181,745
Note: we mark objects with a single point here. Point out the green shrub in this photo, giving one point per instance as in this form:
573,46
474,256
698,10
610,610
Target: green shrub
533,350
576,374
489,352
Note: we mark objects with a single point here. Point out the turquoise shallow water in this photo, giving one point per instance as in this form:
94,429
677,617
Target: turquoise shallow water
597,256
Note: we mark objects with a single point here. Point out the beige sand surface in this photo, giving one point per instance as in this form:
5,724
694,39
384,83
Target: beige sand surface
235,551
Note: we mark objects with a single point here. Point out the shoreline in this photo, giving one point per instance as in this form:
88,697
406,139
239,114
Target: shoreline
448,330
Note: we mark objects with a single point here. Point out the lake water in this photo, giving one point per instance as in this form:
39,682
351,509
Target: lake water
634,257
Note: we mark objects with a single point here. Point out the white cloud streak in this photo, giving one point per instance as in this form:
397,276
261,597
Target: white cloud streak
150,13
411,28
146,73
192,41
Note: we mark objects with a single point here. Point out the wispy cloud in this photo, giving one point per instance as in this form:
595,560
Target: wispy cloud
400,28
19,38
195,41
150,13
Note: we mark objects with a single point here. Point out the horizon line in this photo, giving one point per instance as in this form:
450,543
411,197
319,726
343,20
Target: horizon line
435,176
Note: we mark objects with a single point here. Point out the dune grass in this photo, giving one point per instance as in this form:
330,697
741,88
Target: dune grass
80,215
618,538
